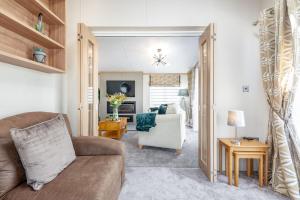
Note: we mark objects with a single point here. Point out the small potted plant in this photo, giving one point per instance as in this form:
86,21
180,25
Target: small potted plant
39,55
115,101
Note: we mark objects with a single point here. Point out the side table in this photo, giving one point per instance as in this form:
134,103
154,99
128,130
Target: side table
245,146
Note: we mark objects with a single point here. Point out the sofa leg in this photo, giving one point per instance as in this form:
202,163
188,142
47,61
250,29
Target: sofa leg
178,151
141,146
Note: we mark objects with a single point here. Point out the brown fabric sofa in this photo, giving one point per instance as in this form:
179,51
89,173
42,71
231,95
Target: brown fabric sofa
96,174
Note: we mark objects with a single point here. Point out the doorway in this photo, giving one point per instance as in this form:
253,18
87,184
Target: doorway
207,147
88,86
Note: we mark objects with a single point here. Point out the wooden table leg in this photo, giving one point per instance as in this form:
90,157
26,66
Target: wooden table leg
220,157
249,167
230,166
226,162
266,169
236,170
260,171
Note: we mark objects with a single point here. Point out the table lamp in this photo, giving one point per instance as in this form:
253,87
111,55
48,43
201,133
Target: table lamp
236,118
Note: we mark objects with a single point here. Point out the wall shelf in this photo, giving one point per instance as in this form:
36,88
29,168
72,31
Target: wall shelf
17,60
19,37
37,7
9,22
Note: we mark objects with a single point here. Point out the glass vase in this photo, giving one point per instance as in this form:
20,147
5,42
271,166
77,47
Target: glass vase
115,115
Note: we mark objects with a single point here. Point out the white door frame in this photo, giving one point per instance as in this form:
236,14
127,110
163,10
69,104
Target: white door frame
182,31
194,31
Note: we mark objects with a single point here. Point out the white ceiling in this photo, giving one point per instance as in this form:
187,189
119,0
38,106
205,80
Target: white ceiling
136,53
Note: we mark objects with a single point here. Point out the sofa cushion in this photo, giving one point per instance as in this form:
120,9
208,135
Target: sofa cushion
45,150
88,178
172,109
25,120
11,169
162,109
153,109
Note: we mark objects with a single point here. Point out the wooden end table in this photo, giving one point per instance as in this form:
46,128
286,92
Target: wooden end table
113,129
247,147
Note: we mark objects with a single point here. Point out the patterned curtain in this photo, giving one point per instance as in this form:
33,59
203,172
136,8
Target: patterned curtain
195,98
191,89
280,69
165,80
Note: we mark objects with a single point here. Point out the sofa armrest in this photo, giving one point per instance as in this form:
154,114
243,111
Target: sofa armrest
93,146
96,146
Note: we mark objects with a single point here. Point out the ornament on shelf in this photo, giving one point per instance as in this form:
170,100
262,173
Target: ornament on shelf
39,55
39,25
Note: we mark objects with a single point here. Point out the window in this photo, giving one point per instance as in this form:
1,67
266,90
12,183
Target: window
164,95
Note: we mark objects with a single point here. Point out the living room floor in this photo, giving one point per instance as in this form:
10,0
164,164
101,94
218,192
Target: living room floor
158,174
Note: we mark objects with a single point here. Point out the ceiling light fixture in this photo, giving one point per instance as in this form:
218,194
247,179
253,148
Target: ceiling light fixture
159,58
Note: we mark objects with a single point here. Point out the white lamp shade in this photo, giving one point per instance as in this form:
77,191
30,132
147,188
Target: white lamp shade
236,118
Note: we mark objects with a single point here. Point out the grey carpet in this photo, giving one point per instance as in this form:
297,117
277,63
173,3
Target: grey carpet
144,183
159,157
158,174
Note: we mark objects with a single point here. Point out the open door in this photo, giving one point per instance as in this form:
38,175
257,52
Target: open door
88,107
206,110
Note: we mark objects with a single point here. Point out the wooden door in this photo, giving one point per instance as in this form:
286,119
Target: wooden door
206,112
88,103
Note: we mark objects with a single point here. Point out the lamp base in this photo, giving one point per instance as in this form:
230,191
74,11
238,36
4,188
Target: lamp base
235,141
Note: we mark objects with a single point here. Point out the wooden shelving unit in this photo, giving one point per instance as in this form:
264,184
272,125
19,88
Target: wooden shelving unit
9,22
17,60
37,7
19,37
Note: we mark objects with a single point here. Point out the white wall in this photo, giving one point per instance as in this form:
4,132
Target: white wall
71,81
236,48
136,76
25,90
146,92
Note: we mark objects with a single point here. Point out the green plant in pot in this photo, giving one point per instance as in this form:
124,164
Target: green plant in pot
39,55
115,101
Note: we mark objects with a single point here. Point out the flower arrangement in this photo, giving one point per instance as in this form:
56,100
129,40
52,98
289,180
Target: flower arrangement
115,101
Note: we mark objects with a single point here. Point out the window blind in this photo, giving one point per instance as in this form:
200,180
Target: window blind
163,95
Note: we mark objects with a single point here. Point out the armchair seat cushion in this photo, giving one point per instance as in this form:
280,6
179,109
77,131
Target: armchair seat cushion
88,177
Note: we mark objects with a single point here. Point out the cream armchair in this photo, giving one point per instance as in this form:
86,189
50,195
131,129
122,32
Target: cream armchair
168,133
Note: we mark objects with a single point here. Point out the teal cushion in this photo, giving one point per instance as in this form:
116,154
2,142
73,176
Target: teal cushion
154,109
162,109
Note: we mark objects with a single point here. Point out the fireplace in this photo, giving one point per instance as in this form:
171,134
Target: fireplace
129,117
127,107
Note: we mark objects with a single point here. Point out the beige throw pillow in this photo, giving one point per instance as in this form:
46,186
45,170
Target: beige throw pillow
172,109
45,150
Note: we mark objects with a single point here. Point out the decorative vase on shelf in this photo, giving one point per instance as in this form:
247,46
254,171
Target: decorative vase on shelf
115,115
39,25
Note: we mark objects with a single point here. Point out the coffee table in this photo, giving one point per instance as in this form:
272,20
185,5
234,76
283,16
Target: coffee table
113,129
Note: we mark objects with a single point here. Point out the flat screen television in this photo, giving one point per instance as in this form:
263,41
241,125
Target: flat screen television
125,87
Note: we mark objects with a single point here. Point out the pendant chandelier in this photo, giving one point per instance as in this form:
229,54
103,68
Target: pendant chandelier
159,58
